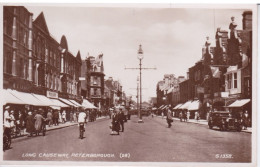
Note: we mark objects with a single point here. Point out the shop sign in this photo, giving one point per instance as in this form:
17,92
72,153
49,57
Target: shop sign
51,94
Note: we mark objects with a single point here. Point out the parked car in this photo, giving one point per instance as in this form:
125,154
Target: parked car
224,121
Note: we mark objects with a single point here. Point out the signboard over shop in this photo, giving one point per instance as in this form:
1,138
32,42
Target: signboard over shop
51,94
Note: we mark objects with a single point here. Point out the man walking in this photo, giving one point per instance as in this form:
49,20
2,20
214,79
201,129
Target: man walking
7,123
121,119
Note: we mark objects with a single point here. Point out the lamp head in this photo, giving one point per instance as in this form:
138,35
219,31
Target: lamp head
140,53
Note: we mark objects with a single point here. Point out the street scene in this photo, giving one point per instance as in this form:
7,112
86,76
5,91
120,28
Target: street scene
127,84
174,144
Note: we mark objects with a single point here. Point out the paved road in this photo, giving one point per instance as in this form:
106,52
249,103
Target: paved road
150,141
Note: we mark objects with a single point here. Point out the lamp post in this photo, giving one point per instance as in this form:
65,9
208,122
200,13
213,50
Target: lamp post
140,56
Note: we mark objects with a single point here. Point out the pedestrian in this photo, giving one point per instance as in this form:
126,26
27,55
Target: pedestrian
121,119
63,116
30,124
115,123
169,118
38,123
196,115
56,117
245,120
22,121
7,123
180,116
12,121
162,114
49,118
71,116
60,117
185,116
173,114
188,115
75,117
125,114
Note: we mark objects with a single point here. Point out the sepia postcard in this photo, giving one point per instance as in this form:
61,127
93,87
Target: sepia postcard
128,84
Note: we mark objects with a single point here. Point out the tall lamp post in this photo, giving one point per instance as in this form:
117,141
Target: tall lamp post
140,56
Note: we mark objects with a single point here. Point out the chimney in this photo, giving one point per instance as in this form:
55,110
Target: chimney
247,20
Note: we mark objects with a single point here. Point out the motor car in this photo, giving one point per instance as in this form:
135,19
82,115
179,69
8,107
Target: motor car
224,121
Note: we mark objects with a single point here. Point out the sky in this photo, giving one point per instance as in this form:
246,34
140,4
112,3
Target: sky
171,38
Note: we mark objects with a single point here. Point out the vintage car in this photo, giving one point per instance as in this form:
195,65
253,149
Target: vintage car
224,121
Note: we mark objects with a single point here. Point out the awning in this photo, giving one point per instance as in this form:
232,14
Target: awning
176,107
58,103
28,98
44,99
164,107
185,105
10,98
68,102
87,104
160,107
239,103
76,103
194,105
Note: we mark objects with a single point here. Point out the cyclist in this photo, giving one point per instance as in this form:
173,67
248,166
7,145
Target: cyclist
81,120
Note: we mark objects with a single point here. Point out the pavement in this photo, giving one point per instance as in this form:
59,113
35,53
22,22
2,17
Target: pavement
205,122
60,126
151,141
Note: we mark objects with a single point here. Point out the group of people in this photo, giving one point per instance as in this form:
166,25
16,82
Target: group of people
118,120
185,116
31,122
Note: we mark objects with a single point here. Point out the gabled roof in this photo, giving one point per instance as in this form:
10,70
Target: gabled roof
41,23
78,57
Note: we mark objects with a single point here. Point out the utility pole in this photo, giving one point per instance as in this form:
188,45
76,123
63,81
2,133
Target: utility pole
140,57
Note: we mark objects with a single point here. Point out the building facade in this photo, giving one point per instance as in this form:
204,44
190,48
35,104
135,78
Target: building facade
34,62
95,80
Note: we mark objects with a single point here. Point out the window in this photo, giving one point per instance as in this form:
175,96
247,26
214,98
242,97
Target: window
235,80
21,65
95,92
95,81
229,78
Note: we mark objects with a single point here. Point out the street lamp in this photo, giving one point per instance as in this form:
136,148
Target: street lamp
140,56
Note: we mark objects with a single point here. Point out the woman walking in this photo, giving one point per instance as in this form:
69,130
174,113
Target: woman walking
29,124
38,123
115,123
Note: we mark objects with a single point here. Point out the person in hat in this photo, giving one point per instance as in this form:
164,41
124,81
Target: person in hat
115,123
121,118
7,123
29,124
49,118
38,122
